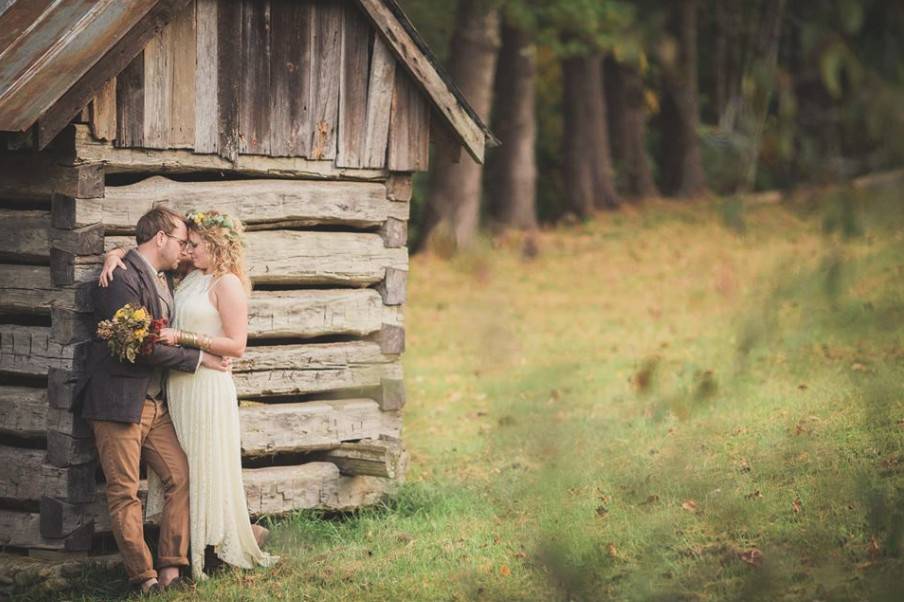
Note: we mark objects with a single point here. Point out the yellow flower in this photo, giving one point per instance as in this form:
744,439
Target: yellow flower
141,333
140,314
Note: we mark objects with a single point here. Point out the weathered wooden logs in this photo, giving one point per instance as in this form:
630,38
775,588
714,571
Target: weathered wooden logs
38,177
313,425
27,289
300,369
288,257
258,203
23,530
24,235
375,457
23,412
32,350
25,476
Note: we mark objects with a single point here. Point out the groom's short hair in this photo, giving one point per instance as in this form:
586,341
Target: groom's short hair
155,220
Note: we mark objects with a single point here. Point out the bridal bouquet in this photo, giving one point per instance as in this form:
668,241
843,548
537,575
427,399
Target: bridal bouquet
131,332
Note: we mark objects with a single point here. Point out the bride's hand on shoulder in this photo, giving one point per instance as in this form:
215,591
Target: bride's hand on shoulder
112,260
168,336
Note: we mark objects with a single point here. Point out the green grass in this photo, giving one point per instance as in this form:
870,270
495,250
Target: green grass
673,402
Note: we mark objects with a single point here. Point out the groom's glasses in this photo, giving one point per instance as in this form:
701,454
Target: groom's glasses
182,241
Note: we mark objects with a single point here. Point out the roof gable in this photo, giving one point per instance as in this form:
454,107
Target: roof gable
50,69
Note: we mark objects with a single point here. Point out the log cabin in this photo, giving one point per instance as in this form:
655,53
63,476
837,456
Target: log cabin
304,118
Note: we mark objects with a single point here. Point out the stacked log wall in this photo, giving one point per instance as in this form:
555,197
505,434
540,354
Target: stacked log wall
40,451
322,372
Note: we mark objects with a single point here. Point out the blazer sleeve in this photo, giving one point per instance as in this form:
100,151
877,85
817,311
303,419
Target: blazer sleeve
123,290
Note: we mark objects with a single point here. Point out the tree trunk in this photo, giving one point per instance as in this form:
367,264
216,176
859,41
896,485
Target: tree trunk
512,168
453,206
684,176
637,173
766,54
588,170
615,109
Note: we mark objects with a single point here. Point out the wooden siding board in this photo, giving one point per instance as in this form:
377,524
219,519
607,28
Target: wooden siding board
254,88
158,89
229,72
379,104
409,129
326,66
130,104
353,82
291,39
183,51
103,112
206,94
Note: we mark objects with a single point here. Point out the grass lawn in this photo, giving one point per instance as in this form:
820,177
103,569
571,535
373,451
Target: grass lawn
672,402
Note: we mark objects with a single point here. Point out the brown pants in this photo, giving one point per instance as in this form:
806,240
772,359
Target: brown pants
120,447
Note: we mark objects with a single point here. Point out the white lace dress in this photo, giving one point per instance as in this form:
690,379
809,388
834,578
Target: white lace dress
205,413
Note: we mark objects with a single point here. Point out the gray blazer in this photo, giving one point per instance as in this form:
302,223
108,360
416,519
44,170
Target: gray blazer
110,389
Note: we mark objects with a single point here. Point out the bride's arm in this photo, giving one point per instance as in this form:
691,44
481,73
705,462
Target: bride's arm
229,297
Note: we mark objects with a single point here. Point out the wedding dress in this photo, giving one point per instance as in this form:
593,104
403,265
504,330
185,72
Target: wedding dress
205,414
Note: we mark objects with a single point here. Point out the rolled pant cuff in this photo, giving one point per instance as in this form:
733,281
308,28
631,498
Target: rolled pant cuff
168,561
143,576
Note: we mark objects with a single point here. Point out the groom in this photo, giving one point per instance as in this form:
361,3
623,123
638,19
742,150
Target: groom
126,407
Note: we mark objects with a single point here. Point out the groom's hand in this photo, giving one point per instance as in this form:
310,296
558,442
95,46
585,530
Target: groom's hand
215,362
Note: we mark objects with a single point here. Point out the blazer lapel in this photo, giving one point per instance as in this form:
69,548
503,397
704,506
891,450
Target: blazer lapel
147,279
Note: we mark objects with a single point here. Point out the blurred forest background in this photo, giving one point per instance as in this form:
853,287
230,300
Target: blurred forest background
602,103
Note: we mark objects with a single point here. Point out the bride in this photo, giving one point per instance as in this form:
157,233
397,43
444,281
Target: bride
211,313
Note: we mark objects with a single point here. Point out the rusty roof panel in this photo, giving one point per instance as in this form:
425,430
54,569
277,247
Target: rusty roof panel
46,46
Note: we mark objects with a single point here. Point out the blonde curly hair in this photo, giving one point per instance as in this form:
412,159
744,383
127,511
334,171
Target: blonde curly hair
224,236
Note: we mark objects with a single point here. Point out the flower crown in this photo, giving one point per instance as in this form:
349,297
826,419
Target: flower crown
214,220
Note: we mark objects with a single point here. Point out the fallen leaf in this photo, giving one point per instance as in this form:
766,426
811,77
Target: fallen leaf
796,506
602,511
744,465
753,557
505,571
613,551
754,495
520,555
689,505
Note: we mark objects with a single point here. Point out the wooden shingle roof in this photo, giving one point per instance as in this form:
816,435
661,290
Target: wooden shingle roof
55,55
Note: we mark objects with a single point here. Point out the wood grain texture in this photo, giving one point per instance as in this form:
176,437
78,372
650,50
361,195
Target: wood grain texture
314,313
23,530
28,289
24,235
229,73
374,457
282,489
353,82
468,130
326,63
23,411
379,104
254,87
258,203
130,104
38,177
206,83
183,49
409,128
102,118
134,160
313,368
24,476
31,350
158,89
303,427
292,257
291,85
